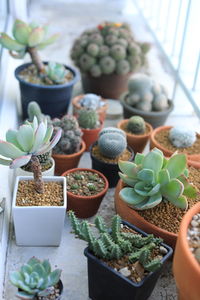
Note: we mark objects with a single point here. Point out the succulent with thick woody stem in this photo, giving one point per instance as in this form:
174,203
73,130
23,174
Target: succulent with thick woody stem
136,125
88,119
152,178
29,38
109,48
113,243
182,137
24,145
35,279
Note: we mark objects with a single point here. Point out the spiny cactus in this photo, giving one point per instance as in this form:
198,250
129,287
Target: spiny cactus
136,125
35,279
146,94
112,142
91,101
29,38
182,137
88,119
109,48
113,243
70,141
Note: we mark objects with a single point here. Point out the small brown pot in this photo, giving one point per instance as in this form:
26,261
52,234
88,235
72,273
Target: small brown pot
85,206
101,110
166,152
186,269
108,86
136,141
66,162
90,136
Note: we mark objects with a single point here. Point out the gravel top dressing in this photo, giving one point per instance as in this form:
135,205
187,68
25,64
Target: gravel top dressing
126,155
193,236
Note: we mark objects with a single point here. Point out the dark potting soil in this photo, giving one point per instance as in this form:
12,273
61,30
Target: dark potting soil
126,155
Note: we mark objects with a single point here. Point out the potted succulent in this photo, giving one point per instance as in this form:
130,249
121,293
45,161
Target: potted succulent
106,56
186,261
90,101
90,125
70,148
137,132
146,98
170,139
49,84
123,261
39,204
106,152
85,191
35,280
154,192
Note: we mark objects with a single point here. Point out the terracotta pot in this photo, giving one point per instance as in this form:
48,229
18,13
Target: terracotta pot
90,136
136,141
186,269
166,152
155,118
108,86
133,217
85,206
101,111
66,162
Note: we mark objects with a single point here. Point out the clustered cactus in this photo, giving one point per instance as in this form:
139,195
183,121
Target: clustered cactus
35,279
29,38
88,119
153,178
70,141
114,243
108,48
145,94
136,125
112,142
182,137
91,101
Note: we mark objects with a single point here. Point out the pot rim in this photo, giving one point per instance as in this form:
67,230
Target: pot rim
87,74
144,113
91,196
43,173
76,100
107,163
148,125
85,130
83,147
75,73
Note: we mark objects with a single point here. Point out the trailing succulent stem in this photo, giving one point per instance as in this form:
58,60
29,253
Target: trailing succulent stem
114,243
37,174
36,59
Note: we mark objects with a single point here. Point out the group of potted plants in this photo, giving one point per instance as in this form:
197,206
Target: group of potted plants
153,191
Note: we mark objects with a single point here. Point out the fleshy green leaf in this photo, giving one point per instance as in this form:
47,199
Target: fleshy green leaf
154,190
139,158
34,277
54,277
9,43
127,168
153,161
21,31
146,175
163,177
5,162
49,133
176,165
24,296
39,269
46,266
173,189
129,181
9,150
48,41
26,269
20,161
143,188
129,196
25,137
39,137
15,277
180,202
36,36
11,137
150,203
53,142
33,261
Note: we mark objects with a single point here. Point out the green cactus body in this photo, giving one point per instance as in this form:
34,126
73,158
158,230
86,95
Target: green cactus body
93,49
86,61
107,64
88,119
136,125
95,71
103,50
123,67
118,52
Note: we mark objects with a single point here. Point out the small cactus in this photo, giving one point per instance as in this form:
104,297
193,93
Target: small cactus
91,101
88,119
112,142
136,125
34,110
182,137
107,64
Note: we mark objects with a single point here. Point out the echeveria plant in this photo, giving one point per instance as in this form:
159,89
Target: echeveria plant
153,178
35,279
23,146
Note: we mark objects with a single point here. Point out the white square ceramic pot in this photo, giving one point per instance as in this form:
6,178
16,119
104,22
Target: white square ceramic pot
39,225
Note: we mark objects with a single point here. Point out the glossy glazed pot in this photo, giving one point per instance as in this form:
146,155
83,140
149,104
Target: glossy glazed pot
186,269
101,110
64,162
85,206
136,141
53,99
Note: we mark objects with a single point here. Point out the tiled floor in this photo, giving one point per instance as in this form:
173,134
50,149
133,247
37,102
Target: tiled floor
71,18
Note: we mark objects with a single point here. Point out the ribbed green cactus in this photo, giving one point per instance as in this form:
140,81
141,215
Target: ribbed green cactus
136,125
88,119
109,48
182,137
35,279
70,141
113,243
112,142
145,94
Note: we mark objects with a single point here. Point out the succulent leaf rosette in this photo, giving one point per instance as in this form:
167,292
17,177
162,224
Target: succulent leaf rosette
35,279
153,178
108,49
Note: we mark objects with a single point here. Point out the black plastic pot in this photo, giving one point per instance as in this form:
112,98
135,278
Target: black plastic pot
109,170
106,283
53,99
155,118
